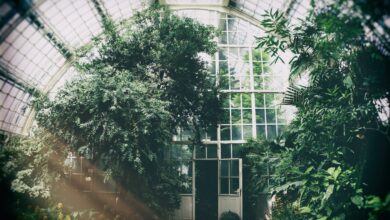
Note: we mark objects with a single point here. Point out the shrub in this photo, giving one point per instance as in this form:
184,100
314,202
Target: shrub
230,216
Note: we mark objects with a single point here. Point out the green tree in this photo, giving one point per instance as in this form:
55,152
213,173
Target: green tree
145,79
30,170
327,156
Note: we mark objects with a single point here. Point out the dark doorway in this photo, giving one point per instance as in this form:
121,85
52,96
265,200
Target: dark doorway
206,183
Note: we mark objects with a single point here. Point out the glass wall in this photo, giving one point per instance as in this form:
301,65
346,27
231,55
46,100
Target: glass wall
252,91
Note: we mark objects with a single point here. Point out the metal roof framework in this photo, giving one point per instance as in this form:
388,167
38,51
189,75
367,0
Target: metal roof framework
38,39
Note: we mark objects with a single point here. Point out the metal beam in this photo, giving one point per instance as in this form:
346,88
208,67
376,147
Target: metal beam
222,9
102,11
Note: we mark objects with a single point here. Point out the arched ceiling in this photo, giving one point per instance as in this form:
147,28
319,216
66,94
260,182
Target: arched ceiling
38,39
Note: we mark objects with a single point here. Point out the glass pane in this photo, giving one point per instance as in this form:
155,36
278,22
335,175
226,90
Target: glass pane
233,53
244,69
234,168
225,151
277,83
75,21
233,67
222,23
225,132
236,116
260,116
244,54
200,152
258,82
271,116
224,82
225,100
235,101
223,53
269,100
246,100
225,117
212,151
271,131
233,37
260,131
234,83
223,37
236,150
236,132
256,55
247,132
223,68
257,68
245,83
212,133
265,57
234,185
266,67
259,100
224,185
225,168
247,116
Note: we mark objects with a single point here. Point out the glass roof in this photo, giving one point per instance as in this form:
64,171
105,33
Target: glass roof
35,36
183,2
120,9
294,8
30,56
74,21
14,106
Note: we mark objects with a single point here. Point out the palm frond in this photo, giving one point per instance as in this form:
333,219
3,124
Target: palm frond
294,95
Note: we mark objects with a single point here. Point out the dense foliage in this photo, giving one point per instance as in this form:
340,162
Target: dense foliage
28,159
229,216
30,172
333,163
144,80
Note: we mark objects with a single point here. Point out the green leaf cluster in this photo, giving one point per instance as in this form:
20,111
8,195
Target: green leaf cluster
30,173
141,81
324,160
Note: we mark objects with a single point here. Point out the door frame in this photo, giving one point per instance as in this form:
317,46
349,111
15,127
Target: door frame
219,195
240,188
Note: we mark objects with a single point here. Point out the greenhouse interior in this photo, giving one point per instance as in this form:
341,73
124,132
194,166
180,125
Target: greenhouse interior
194,109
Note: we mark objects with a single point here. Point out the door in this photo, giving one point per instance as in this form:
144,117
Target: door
230,186
206,189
